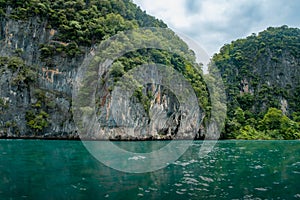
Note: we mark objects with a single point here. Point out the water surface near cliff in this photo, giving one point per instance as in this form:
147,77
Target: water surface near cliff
36,169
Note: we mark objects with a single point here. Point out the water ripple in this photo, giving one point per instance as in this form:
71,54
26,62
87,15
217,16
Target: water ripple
261,189
297,196
206,179
296,164
137,158
190,181
185,163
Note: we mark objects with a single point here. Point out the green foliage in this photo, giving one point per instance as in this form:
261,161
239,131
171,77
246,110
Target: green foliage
246,101
80,21
250,133
38,115
18,52
44,100
22,73
3,105
134,59
274,125
257,78
117,70
275,121
37,121
79,25
239,115
15,63
46,50
271,120
143,99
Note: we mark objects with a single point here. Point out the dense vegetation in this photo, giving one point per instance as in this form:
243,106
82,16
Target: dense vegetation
82,21
80,25
261,72
262,79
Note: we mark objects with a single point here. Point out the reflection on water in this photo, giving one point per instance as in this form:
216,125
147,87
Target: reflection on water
234,170
139,147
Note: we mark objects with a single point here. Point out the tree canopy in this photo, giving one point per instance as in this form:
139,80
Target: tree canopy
78,25
262,80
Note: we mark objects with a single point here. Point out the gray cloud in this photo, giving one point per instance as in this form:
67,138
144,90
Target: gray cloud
212,23
192,6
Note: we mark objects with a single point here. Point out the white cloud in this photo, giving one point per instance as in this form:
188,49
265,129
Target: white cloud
212,23
172,13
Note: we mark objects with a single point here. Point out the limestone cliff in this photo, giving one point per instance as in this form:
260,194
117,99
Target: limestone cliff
261,72
50,88
42,46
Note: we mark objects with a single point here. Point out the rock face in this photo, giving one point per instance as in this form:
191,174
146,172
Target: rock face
127,118
260,72
153,112
36,99
51,90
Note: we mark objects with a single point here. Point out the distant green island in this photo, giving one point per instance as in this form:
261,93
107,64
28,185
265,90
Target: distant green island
262,81
43,43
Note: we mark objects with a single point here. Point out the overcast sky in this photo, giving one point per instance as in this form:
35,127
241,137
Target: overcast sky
213,23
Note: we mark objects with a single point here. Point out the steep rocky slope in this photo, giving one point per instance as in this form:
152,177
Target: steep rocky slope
262,72
43,43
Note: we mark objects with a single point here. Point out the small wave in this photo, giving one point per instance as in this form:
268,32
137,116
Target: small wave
297,196
262,175
196,144
183,164
192,194
206,179
257,167
179,192
190,181
153,189
137,158
204,184
261,189
296,166
273,150
74,186
202,189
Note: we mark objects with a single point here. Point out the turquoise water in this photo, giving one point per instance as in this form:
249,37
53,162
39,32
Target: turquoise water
33,169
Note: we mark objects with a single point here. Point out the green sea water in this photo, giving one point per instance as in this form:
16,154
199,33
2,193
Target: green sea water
37,169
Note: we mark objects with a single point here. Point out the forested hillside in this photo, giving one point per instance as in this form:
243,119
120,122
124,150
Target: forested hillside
44,42
261,74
